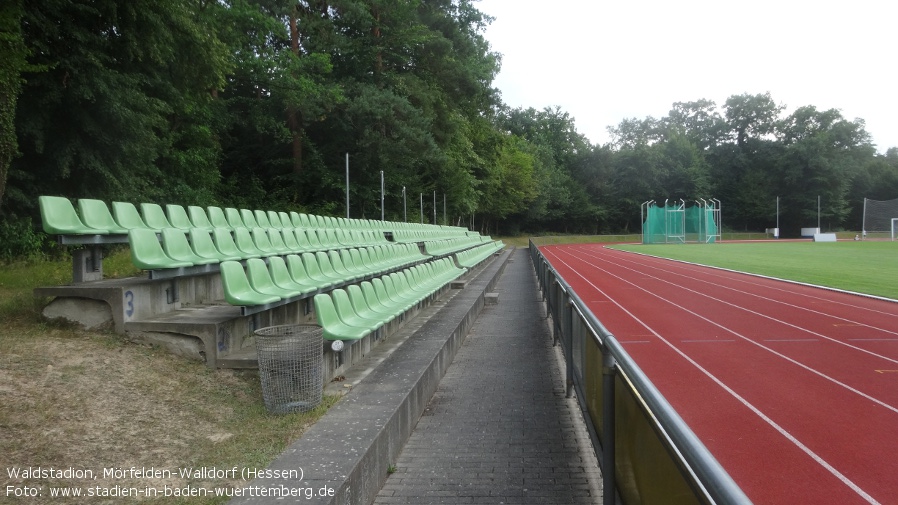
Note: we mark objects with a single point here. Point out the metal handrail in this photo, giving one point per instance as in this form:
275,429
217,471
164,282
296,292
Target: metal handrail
707,475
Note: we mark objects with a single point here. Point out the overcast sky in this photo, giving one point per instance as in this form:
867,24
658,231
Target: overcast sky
604,61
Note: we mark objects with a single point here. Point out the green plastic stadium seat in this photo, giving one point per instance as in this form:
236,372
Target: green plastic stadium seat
126,215
280,274
260,280
290,242
154,216
286,222
314,242
270,238
204,247
295,219
332,327
299,274
398,292
217,218
348,314
387,298
225,243
310,261
338,266
302,240
261,219
324,264
178,218
244,241
233,217
378,304
58,217
95,214
249,220
274,219
363,308
147,253
176,246
237,290
198,218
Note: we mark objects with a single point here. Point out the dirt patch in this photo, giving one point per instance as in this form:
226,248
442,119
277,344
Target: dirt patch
115,414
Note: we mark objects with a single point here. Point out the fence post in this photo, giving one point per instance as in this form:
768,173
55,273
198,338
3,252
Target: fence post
567,332
609,369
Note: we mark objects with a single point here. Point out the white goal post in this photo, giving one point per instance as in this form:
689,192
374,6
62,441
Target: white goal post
880,216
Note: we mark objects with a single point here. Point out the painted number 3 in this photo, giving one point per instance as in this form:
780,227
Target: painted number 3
129,303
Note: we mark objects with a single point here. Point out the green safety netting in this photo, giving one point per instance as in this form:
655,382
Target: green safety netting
679,224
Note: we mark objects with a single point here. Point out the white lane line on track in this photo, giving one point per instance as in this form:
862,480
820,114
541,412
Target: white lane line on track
737,334
760,314
686,264
807,450
850,322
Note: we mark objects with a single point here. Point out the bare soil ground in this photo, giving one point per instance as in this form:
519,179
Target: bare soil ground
74,400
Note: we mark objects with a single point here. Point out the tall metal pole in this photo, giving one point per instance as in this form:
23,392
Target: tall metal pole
864,221
381,195
434,206
422,208
777,217
444,208
404,206
347,185
818,214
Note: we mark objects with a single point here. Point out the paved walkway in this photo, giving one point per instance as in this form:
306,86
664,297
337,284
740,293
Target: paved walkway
499,429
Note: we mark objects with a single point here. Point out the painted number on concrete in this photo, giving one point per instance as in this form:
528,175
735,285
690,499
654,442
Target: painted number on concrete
129,303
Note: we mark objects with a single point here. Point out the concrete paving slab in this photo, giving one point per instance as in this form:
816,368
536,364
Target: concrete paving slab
499,429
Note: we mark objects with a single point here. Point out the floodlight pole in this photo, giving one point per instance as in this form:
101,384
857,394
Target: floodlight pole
404,206
777,217
434,206
347,185
422,207
864,221
818,215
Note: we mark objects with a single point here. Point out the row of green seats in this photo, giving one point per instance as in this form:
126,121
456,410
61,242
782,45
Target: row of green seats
449,246
360,309
471,257
178,249
293,276
94,217
423,235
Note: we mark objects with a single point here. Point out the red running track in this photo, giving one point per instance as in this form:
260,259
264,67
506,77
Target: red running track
794,389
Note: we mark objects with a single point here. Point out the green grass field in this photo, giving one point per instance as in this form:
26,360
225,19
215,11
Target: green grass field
865,267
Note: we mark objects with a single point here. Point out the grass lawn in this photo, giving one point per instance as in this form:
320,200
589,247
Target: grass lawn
865,267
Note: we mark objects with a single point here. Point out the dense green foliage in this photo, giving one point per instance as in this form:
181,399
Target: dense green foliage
256,103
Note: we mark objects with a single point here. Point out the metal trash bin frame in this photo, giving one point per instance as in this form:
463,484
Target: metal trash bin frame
290,366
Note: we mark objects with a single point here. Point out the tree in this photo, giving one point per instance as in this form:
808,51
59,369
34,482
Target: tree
751,116
12,63
123,108
698,121
822,154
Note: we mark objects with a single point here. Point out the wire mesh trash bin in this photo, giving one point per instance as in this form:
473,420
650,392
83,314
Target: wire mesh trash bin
290,362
